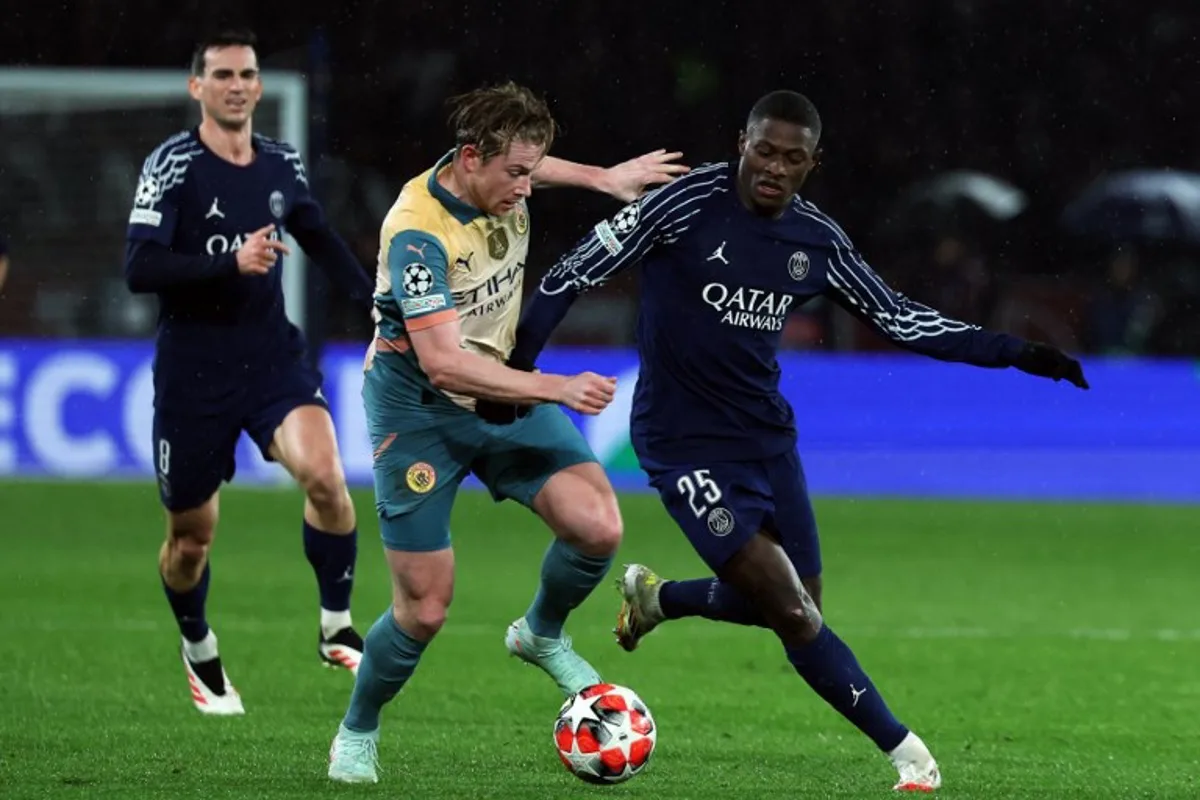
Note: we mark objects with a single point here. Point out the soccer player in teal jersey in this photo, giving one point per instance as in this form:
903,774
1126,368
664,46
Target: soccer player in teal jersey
448,296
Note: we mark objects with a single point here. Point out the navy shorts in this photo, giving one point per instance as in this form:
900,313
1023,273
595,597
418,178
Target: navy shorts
194,442
721,506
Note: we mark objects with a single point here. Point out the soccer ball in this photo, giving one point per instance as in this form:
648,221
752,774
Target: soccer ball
605,734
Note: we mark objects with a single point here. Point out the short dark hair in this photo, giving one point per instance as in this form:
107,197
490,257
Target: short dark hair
787,106
493,117
233,37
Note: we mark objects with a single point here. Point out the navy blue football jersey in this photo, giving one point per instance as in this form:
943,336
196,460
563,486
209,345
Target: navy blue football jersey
192,211
718,282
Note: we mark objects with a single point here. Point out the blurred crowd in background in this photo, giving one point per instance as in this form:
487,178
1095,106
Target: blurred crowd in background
962,138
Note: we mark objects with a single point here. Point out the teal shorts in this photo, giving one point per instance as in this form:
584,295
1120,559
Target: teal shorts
425,448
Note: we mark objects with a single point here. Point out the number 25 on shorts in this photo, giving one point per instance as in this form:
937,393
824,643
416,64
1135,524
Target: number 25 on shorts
700,490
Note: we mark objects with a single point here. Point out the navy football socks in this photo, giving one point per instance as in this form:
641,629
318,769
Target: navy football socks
188,607
332,558
708,598
826,663
831,669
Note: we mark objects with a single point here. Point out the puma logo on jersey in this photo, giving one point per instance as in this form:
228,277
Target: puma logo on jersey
420,251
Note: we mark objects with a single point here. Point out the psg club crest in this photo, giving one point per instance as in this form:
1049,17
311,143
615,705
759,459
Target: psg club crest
720,521
277,204
798,265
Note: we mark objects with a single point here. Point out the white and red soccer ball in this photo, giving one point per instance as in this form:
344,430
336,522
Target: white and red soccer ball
605,734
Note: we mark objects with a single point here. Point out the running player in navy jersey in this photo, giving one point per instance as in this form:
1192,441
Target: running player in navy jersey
204,235
727,251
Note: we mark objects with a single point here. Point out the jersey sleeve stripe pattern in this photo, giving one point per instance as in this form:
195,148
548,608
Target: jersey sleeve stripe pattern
663,215
903,319
288,153
166,167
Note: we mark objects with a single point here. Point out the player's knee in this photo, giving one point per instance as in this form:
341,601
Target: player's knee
191,546
815,588
602,537
325,484
795,620
190,533
422,619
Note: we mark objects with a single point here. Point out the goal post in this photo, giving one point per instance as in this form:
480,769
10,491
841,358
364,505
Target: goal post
72,142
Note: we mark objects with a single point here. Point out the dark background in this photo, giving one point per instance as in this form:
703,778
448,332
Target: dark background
1047,96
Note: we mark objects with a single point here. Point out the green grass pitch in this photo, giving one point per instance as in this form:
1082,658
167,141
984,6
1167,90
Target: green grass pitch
1042,650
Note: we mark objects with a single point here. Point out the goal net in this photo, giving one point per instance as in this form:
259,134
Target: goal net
72,144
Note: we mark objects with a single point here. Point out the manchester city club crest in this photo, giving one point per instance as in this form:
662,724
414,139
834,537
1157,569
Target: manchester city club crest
421,477
277,204
798,265
497,242
521,220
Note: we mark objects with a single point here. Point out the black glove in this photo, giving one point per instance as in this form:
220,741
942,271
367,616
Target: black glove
1045,361
504,413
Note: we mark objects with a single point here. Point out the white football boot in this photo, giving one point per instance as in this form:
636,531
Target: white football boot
918,771
354,756
212,693
342,650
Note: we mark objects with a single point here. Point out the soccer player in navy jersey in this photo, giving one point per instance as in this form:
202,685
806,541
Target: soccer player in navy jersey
204,235
727,251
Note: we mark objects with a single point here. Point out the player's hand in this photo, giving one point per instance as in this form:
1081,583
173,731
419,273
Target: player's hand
629,179
1046,361
588,393
259,252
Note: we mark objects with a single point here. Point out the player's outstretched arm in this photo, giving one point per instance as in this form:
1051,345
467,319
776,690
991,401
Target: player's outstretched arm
921,329
626,181
611,247
308,224
453,369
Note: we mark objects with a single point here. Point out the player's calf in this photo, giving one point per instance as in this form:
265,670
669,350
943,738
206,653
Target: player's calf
762,572
423,585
